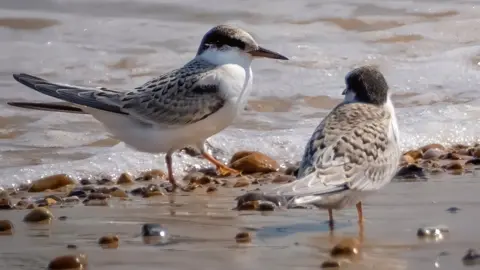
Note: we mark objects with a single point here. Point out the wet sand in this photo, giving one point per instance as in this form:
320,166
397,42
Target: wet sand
202,229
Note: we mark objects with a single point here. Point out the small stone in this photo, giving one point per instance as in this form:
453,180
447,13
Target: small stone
50,201
452,156
68,262
72,200
51,182
154,229
476,152
152,190
88,202
62,218
125,179
406,159
435,232
346,248
152,174
411,172
243,237
414,154
6,227
282,179
85,182
119,193
6,204
432,146
473,161
453,210
109,241
105,181
242,182
472,257
198,178
330,264
22,204
252,162
71,246
454,165
138,191
98,196
89,188
211,189
191,187
266,206
292,170
433,153
247,206
39,214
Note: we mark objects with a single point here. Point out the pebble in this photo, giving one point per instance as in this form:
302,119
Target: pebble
68,262
6,227
433,153
472,257
198,178
432,146
62,218
51,182
105,181
85,182
6,203
125,179
88,202
72,200
283,179
411,172
98,196
39,214
109,241
152,190
154,233
266,206
119,193
349,247
414,154
252,162
152,174
22,204
453,210
435,232
211,189
292,170
473,161
476,152
253,199
243,237
330,265
242,182
71,246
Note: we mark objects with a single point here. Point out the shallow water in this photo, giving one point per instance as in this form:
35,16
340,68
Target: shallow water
428,51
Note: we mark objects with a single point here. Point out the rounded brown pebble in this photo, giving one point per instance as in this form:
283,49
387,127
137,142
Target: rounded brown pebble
433,153
109,241
454,165
346,248
22,204
98,196
6,204
283,178
406,159
414,154
152,174
51,182
6,227
85,182
211,189
105,181
452,156
125,179
68,262
119,193
39,214
243,237
242,182
252,162
88,202
198,178
249,205
330,264
432,146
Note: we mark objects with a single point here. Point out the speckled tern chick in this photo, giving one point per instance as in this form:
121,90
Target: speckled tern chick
181,108
354,150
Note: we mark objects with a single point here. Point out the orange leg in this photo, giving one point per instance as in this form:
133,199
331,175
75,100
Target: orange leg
221,168
359,212
168,160
330,219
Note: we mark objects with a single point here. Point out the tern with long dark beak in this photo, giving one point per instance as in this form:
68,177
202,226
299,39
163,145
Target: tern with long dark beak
181,108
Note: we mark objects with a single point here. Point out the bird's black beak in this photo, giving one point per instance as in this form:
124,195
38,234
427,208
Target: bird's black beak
262,52
344,92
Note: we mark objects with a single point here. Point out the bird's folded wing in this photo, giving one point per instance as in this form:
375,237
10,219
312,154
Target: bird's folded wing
363,158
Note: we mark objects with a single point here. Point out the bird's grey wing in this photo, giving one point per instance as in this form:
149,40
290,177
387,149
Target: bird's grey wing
181,97
351,149
101,99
